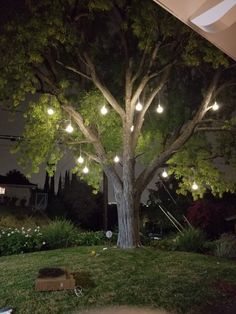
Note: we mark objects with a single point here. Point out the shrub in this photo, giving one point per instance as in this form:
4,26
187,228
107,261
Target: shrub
167,244
14,241
190,240
59,234
92,238
225,246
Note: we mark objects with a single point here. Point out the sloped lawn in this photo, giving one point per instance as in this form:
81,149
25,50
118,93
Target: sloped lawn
144,277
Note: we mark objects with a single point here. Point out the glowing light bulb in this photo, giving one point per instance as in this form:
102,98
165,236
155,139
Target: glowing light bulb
85,170
116,159
215,107
69,128
80,159
104,110
139,106
160,109
164,174
132,128
194,186
50,111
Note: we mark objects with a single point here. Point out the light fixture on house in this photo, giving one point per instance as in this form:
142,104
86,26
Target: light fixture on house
159,109
104,110
116,159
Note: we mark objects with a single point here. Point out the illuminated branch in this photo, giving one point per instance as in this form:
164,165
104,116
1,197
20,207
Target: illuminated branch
92,137
185,133
104,90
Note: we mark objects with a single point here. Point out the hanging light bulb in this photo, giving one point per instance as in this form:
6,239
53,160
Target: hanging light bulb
160,109
80,159
164,174
139,106
85,170
116,159
194,186
69,128
215,107
104,110
50,111
132,128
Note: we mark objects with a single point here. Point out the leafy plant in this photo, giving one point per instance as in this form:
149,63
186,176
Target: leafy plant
91,238
59,234
190,240
14,241
225,246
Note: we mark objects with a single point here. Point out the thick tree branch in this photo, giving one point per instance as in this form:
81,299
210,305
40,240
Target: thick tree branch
72,69
141,115
104,90
146,176
92,137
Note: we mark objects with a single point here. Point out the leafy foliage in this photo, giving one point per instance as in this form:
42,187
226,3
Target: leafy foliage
225,246
190,240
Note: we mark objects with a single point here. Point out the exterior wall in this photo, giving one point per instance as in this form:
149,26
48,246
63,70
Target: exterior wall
19,192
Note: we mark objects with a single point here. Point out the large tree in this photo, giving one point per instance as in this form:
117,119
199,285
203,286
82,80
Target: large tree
130,57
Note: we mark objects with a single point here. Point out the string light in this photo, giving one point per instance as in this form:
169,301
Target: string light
139,106
80,160
164,174
132,128
215,107
85,170
160,109
194,186
69,128
50,111
116,159
104,110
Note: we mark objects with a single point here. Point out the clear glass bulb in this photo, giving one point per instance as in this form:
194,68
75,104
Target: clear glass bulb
104,110
194,186
215,107
69,128
164,174
116,159
80,159
139,106
50,111
86,169
160,109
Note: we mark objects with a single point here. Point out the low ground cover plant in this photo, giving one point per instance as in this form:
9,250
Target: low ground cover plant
58,234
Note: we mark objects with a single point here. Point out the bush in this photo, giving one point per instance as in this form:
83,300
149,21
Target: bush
60,233
93,238
15,241
167,244
225,246
190,240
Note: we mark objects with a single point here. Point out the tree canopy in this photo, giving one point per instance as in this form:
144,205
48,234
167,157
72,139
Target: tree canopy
131,57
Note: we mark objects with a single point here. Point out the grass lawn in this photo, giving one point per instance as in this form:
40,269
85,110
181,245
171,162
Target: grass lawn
144,277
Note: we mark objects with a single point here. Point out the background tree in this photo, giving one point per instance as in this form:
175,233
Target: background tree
125,56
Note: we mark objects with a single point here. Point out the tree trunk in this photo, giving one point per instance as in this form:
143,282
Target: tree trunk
128,218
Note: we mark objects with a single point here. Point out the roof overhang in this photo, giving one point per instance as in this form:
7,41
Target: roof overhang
213,19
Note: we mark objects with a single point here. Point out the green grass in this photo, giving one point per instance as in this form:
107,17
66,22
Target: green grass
143,277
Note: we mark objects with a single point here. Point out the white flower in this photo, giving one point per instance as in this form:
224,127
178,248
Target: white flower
8,234
44,243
